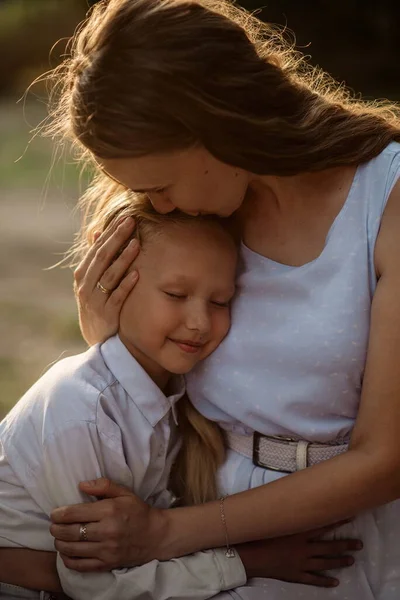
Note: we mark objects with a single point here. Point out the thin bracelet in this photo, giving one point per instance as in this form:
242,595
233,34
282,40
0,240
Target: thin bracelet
229,552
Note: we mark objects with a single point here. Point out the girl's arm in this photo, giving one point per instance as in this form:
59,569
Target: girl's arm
32,569
365,477
309,557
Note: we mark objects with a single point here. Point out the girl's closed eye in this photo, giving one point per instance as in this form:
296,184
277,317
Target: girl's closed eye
225,304
175,295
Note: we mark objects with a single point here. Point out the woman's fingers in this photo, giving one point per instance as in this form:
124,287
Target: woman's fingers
102,252
78,549
102,283
107,488
105,252
121,292
98,240
65,533
71,533
83,565
87,512
113,275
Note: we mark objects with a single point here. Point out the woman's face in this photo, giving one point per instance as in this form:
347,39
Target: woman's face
178,312
192,180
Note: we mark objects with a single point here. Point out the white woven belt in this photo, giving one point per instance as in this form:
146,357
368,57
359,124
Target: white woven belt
280,453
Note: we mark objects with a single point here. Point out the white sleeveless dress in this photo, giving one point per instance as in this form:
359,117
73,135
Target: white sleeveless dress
293,365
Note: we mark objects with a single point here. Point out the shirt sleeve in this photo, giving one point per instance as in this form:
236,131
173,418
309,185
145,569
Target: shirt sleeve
77,454
195,577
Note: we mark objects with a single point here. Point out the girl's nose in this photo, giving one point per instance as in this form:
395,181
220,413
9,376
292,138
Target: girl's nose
199,319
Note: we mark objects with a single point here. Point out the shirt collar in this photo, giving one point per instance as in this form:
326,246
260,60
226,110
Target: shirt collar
147,396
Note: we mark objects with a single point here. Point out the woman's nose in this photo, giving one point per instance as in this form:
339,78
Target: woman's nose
161,204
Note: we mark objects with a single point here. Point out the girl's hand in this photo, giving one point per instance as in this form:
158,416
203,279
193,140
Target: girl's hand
300,558
119,529
99,310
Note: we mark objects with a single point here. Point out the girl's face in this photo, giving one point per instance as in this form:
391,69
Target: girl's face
178,312
192,180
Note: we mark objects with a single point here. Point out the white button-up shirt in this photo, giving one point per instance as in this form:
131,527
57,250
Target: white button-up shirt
92,415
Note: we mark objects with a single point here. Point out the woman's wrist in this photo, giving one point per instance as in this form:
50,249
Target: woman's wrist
159,536
189,529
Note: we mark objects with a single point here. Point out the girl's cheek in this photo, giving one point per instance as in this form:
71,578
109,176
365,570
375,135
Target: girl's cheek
168,314
225,326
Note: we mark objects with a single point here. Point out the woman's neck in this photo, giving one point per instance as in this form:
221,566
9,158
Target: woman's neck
287,219
297,191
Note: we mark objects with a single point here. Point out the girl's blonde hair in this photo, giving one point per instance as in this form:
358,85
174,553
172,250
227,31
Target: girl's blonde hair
193,477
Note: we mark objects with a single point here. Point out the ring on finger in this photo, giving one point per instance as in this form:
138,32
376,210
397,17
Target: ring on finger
83,535
102,288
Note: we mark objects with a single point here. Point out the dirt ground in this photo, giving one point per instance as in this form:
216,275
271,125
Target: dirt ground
38,321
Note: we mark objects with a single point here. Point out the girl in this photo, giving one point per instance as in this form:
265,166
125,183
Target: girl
199,105
127,394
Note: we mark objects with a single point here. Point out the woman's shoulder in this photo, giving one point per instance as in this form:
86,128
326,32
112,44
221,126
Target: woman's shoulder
376,179
390,153
393,147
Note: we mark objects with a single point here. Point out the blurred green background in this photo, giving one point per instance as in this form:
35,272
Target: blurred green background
355,41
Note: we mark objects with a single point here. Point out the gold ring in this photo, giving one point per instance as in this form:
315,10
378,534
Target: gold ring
83,536
102,288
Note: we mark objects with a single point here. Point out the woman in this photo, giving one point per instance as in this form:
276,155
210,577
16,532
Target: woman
196,100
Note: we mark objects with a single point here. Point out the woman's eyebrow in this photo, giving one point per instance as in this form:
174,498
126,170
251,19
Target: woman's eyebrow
136,191
141,191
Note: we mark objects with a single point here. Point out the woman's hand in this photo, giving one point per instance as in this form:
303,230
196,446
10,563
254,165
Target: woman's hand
122,530
99,310
300,558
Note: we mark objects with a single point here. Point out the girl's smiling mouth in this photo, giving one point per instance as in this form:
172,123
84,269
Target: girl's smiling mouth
188,345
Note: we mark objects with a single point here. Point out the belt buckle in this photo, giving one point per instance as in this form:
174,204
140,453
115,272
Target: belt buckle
256,450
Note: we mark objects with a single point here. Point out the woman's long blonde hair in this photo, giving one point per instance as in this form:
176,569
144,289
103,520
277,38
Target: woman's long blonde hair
193,477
